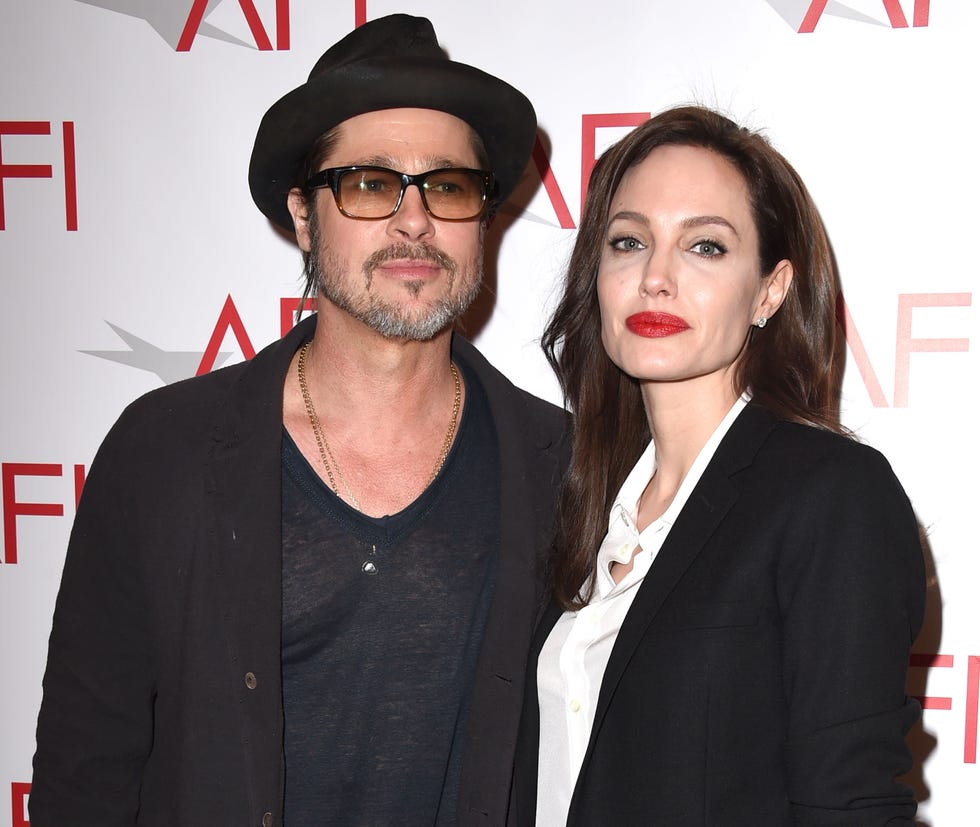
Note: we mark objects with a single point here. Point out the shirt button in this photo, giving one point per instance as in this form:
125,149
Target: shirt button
575,705
267,820
251,683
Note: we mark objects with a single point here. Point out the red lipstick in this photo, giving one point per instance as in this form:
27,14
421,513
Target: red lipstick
655,325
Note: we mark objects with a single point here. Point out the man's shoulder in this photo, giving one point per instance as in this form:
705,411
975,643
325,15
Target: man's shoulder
188,399
544,410
193,406
502,391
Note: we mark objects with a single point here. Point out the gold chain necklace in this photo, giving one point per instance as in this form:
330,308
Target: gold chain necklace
331,465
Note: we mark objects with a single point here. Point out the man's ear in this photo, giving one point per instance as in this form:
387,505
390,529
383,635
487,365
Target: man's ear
300,211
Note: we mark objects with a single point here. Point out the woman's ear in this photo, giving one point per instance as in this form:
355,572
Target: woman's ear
775,287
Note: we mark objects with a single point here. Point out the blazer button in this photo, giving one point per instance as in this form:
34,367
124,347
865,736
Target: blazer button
251,683
267,820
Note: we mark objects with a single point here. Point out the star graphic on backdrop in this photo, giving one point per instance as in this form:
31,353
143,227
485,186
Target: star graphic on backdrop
793,12
169,365
517,212
168,18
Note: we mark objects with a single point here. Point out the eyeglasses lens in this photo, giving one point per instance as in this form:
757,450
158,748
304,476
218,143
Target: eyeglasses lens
448,194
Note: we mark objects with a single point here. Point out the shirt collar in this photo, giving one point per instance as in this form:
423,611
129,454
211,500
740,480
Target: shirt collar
622,536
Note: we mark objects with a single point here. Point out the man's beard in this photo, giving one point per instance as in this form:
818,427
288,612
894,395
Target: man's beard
387,317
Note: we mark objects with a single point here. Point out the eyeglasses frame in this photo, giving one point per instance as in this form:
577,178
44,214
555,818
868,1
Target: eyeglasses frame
330,177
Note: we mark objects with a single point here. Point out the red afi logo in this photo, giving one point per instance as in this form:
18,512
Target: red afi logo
180,23
8,170
803,15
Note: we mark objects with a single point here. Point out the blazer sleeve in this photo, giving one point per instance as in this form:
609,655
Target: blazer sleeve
851,592
95,725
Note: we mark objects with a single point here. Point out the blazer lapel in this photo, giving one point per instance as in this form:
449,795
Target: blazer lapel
709,503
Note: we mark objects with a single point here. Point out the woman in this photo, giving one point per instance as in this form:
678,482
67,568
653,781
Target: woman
736,583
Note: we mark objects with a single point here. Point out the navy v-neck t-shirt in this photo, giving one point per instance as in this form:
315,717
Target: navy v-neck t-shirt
382,624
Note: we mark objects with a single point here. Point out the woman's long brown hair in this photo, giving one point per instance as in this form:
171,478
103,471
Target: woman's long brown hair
793,367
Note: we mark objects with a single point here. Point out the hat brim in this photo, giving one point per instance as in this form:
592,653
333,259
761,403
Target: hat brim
501,115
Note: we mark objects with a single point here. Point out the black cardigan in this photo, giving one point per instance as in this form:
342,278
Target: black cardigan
162,699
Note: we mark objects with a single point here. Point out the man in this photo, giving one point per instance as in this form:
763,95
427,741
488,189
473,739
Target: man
302,588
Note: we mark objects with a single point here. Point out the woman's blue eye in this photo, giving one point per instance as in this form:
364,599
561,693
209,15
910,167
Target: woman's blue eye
708,248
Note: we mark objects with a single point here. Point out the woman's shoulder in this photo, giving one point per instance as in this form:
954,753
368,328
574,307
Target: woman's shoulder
813,455
799,438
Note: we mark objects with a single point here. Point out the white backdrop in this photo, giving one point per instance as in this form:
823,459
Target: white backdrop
131,254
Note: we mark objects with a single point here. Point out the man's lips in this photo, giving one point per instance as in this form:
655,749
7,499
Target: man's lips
410,268
655,325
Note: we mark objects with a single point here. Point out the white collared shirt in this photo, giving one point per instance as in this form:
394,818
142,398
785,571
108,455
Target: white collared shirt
574,657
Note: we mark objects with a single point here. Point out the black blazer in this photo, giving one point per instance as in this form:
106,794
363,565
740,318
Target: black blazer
162,699
759,676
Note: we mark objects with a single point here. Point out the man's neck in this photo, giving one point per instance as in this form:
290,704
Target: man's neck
384,407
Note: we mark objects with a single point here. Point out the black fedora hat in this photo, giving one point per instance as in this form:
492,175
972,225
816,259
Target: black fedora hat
388,63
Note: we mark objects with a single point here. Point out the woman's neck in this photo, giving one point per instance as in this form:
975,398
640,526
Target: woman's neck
682,418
